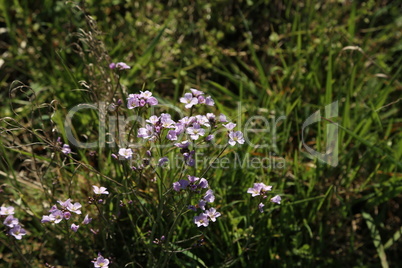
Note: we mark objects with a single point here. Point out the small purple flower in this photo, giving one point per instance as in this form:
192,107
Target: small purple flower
53,209
146,132
229,126
87,219
203,184
125,153
163,161
172,135
196,92
133,101
201,204
203,120
209,196
222,118
57,215
209,101
66,149
189,100
100,190
209,138
66,215
258,189
276,199
211,116
6,210
112,65
195,132
75,207
192,179
261,207
101,262
10,221
212,214
17,231
201,99
187,120
152,101
189,158
236,137
64,204
145,94
50,218
176,186
153,120
183,144
167,122
201,220
122,66
180,185
74,227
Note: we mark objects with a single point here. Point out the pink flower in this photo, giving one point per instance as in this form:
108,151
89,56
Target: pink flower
99,190
75,207
119,66
126,153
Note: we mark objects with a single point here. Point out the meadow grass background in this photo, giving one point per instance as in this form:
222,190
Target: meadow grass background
271,58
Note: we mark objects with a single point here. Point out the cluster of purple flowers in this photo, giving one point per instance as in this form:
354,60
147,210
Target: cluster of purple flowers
64,212
196,185
12,223
196,97
140,100
67,207
185,132
192,128
260,189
